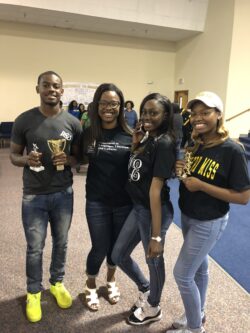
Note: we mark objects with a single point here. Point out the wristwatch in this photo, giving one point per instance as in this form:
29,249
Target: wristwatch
157,239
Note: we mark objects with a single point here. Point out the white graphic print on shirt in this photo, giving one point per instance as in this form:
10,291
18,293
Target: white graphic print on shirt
136,164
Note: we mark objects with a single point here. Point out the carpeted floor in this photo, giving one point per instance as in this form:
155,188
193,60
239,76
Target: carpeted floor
228,305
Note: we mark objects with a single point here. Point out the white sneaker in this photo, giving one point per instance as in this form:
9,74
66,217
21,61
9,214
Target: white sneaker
187,330
181,322
145,315
143,296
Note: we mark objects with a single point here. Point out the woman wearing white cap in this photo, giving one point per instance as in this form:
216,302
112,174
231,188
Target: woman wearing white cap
218,176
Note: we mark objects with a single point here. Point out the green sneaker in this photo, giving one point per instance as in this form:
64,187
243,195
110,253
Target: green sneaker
63,297
33,307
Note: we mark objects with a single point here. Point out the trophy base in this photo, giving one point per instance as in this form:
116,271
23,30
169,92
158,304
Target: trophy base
37,169
60,167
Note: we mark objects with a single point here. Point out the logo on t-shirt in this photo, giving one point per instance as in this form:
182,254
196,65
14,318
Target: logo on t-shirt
66,135
134,164
205,167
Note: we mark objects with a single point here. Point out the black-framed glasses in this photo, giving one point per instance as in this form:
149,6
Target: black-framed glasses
111,104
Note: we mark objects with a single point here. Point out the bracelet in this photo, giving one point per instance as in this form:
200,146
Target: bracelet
157,239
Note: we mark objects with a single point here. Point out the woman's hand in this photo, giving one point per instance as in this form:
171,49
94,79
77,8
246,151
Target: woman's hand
138,133
193,184
155,249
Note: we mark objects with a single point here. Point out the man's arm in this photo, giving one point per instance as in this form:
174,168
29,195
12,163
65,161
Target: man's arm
74,158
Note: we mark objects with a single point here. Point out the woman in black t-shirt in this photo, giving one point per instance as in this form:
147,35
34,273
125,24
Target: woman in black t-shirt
151,164
215,175
107,144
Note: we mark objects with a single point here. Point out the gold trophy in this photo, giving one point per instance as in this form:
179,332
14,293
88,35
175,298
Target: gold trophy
57,146
187,168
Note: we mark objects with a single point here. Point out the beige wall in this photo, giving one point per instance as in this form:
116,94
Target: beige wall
79,56
216,60
203,61
238,91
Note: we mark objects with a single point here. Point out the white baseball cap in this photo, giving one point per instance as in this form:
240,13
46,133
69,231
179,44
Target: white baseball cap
209,99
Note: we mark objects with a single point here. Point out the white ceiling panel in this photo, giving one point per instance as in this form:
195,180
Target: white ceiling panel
165,17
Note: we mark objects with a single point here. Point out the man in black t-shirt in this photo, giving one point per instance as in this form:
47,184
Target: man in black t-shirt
50,137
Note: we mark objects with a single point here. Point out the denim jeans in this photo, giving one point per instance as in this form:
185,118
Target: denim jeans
138,228
105,223
191,268
37,211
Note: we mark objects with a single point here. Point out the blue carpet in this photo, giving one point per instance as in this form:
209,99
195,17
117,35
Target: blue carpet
232,251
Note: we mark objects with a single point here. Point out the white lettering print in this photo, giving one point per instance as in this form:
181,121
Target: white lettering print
135,173
66,135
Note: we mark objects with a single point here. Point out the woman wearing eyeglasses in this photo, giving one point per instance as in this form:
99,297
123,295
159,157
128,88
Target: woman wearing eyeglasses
218,176
107,144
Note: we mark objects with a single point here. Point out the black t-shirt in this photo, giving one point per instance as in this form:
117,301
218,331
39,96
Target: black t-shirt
31,129
224,166
108,168
156,159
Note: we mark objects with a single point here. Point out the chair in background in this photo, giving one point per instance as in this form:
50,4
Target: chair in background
5,132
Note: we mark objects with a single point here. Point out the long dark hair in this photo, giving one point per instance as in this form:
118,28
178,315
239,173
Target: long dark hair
166,126
95,131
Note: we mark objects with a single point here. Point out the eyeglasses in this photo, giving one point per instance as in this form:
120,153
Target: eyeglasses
112,104
203,114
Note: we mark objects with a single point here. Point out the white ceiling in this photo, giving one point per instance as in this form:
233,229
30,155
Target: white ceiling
54,18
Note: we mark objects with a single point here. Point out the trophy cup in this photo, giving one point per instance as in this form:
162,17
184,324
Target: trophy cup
57,146
187,168
38,168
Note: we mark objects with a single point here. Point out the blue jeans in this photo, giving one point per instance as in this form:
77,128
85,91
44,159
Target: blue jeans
138,228
105,223
191,268
37,211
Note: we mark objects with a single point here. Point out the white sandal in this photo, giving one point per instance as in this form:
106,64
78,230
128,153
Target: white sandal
91,297
113,292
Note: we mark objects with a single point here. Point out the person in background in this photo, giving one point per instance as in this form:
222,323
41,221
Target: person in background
151,163
81,108
85,120
218,176
130,114
177,124
106,143
186,129
47,187
73,109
